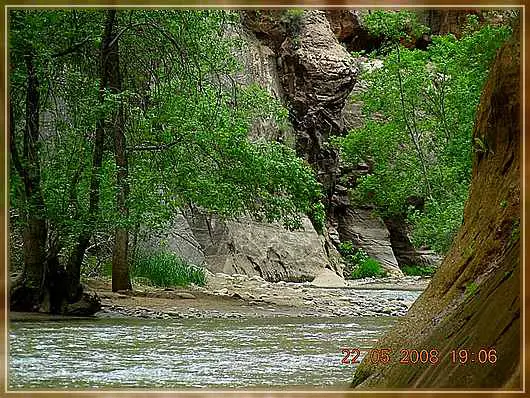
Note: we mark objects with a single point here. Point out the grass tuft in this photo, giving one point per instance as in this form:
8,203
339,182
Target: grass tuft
167,269
368,268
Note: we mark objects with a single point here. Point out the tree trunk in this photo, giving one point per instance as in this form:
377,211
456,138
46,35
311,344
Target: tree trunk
26,294
76,257
412,130
120,266
40,287
35,230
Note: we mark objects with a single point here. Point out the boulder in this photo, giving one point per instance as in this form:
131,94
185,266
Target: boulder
328,278
88,304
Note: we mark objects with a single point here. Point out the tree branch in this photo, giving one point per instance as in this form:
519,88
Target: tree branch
72,49
154,147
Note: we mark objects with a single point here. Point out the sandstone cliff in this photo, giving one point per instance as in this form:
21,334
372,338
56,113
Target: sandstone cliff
473,301
301,59
317,75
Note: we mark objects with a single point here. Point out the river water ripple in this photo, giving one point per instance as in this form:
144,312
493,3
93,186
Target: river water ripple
173,354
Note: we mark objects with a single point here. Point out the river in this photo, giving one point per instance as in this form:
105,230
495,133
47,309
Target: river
187,353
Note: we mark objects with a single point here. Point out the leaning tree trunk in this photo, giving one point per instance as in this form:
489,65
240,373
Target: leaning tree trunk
107,73
120,266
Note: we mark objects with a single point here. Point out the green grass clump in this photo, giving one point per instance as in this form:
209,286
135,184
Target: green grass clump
167,269
358,261
417,270
471,289
368,268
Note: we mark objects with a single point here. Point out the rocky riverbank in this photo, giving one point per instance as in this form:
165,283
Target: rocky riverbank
236,296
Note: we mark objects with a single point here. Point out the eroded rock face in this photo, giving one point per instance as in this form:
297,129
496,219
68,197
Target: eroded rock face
444,21
344,23
269,26
316,74
267,250
473,301
368,232
259,67
347,28
177,237
403,249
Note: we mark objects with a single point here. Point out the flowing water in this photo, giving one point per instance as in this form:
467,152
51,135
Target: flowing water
162,354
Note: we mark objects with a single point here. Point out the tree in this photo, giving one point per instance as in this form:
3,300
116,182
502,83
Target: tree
111,74
421,145
168,108
44,284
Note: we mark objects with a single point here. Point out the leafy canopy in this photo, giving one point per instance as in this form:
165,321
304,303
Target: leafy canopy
187,121
420,108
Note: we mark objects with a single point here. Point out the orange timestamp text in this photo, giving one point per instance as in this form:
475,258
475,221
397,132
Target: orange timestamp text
414,356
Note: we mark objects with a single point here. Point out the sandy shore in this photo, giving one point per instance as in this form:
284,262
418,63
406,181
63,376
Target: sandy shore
233,296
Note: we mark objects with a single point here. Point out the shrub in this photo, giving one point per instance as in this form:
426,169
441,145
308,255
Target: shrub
346,248
167,269
413,270
420,144
293,19
438,223
358,263
368,268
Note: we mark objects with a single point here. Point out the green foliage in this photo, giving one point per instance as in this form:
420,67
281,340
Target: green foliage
218,168
368,268
437,224
361,265
91,267
418,270
292,17
346,248
179,97
167,269
393,25
471,289
317,215
420,143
